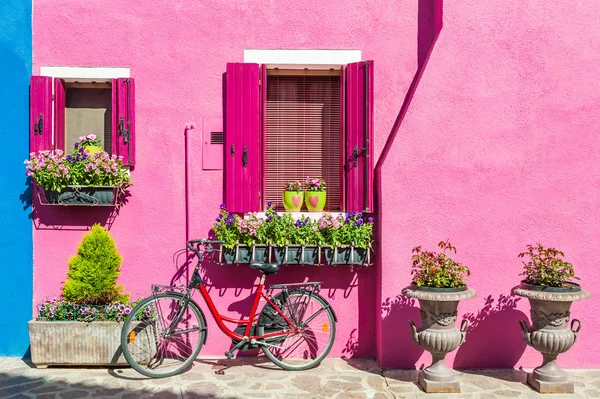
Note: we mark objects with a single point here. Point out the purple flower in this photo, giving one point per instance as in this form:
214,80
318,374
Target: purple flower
269,204
360,215
222,206
218,219
370,220
298,223
76,144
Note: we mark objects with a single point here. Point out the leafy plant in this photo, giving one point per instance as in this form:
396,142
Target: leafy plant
546,267
93,272
293,186
87,141
315,184
355,231
431,269
58,309
251,229
54,170
329,228
226,227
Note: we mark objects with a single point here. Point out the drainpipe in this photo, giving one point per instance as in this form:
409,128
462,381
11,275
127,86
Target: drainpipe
188,126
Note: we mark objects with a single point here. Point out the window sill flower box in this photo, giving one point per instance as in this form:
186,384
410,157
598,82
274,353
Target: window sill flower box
296,255
80,196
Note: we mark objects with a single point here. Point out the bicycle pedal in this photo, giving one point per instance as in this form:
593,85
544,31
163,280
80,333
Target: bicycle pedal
229,355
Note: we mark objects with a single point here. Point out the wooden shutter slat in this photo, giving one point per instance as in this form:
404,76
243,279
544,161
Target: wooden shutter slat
303,134
60,103
40,103
123,134
242,129
359,135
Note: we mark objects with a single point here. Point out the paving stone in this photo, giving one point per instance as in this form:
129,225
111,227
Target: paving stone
508,393
19,388
76,394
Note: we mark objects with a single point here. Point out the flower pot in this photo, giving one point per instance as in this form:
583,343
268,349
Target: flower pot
228,255
293,255
92,149
358,256
82,195
260,253
337,255
278,255
244,254
549,332
438,334
292,200
310,255
315,200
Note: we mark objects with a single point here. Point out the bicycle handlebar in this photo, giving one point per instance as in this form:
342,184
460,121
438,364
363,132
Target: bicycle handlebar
202,241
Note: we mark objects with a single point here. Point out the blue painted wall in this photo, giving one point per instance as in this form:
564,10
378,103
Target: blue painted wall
16,247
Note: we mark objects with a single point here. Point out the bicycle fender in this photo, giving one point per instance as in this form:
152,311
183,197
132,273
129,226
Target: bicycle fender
177,294
313,294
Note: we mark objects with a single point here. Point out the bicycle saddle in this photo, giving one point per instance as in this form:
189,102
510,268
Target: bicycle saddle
266,268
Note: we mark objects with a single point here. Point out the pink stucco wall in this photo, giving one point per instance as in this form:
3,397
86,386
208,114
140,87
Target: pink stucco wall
495,148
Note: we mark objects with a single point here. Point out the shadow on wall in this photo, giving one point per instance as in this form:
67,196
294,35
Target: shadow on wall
396,311
395,315
56,217
494,337
239,282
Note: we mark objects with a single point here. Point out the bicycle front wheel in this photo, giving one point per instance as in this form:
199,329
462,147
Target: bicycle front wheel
314,318
161,336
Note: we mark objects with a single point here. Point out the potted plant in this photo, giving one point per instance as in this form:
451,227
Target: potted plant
439,283
87,315
277,233
315,194
225,228
551,292
80,178
89,143
252,247
330,229
304,240
358,233
292,196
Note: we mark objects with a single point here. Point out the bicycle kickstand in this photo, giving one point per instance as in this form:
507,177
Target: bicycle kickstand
231,353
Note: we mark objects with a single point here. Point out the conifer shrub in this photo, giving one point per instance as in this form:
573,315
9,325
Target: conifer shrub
93,272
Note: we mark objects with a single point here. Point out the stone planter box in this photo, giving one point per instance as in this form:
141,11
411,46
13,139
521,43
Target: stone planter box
74,343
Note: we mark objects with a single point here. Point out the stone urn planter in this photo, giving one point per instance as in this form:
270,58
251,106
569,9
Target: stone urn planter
550,333
438,333
75,343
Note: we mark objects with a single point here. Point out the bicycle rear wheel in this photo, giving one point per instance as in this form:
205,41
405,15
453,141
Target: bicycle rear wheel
161,338
316,321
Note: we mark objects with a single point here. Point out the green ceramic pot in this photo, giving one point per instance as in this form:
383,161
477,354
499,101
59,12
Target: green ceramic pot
292,200
92,149
315,200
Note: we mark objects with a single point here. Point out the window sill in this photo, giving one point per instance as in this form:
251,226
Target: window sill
298,215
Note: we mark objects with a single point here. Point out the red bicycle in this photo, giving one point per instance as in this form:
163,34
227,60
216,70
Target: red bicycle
164,333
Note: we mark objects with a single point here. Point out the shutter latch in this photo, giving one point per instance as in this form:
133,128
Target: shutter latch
245,157
232,149
355,153
122,131
38,128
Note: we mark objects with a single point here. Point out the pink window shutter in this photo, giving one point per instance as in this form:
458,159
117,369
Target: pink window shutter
60,100
242,138
40,113
359,137
123,135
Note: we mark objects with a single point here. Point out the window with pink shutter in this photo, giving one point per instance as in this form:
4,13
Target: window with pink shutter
303,132
316,123
83,106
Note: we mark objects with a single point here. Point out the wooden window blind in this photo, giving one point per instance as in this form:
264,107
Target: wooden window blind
303,134
88,110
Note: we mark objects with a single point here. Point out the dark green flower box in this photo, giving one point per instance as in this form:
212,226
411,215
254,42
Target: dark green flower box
82,196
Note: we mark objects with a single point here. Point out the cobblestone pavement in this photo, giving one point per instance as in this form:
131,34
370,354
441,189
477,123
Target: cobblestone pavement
256,378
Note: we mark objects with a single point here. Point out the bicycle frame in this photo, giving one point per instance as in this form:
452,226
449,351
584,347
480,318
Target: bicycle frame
197,282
